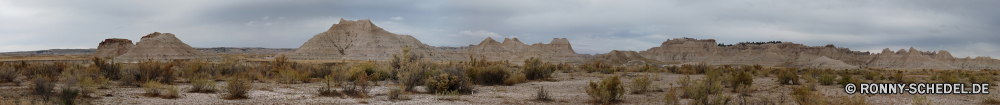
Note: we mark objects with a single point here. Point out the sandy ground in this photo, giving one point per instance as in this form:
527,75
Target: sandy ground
565,88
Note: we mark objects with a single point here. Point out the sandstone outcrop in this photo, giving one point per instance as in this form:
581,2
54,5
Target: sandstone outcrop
688,50
113,47
164,47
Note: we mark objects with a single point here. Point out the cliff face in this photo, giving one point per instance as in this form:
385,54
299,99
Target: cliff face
789,54
113,47
163,47
624,58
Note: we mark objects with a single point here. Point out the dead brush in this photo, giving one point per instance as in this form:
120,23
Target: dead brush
359,88
202,84
8,74
535,69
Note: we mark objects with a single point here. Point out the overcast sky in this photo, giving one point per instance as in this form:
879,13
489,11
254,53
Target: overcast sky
963,27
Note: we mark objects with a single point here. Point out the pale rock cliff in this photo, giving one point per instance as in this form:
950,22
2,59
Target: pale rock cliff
113,47
164,47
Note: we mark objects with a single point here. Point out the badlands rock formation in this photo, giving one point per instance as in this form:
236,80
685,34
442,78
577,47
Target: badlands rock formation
163,47
113,47
687,50
558,50
624,58
360,40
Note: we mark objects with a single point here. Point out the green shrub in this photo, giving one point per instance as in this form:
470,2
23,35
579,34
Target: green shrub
170,92
492,75
535,69
237,87
702,67
597,67
686,86
641,84
202,84
948,77
607,90
826,79
788,77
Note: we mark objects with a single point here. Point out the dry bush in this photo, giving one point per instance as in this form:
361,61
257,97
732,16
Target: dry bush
492,75
607,90
741,78
108,69
8,74
701,91
202,84
516,77
872,75
847,78
827,79
50,71
686,86
152,88
451,80
448,95
42,87
369,69
68,95
411,76
947,77
671,97
329,83
87,85
702,68
803,95
641,84
597,67
788,77
360,87
396,93
535,69
542,95
148,71
170,92
237,87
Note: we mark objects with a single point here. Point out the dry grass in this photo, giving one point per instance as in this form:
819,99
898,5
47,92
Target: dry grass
641,84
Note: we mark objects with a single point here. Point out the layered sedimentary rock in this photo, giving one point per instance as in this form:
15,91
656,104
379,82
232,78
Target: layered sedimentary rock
164,47
362,40
688,50
624,58
359,40
558,50
113,47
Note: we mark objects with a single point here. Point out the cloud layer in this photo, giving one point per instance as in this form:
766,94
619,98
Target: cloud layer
965,28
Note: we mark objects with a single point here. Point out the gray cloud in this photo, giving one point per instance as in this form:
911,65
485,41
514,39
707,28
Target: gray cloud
965,28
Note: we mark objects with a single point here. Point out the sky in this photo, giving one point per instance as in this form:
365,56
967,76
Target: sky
962,27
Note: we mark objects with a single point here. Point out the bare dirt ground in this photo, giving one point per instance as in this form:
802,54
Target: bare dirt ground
565,88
